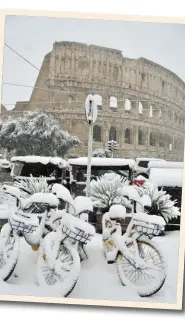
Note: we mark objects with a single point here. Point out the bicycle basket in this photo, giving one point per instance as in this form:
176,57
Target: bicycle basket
146,228
77,229
23,223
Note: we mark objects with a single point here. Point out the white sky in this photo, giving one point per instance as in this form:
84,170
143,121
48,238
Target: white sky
33,37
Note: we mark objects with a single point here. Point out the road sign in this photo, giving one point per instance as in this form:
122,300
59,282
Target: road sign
91,110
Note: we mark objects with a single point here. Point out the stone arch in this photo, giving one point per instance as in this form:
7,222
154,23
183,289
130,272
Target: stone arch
113,102
112,134
128,138
141,137
128,106
97,133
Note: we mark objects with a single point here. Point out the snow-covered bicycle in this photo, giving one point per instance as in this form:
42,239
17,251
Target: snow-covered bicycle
62,250
22,222
140,264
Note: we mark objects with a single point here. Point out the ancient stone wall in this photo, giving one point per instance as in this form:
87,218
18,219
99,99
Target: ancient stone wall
140,103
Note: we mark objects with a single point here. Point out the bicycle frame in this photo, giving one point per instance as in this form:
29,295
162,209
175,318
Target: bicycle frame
121,243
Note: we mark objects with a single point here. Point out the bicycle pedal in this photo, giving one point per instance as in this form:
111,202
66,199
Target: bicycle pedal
110,262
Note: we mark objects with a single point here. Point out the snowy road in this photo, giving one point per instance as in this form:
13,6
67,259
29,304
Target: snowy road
97,280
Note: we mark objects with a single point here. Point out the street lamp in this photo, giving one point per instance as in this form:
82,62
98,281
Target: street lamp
91,113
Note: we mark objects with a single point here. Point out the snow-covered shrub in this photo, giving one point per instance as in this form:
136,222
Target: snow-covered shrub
36,133
102,153
162,205
107,191
33,185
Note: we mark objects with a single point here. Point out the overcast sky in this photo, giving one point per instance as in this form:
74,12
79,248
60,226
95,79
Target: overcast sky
33,37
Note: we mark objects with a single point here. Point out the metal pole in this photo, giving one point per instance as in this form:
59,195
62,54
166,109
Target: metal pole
90,141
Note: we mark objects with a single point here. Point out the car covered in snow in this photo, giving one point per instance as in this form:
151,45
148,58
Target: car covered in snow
99,166
52,168
4,164
141,166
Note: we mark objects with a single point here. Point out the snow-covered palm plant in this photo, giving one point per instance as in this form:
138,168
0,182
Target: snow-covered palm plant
107,191
33,185
162,205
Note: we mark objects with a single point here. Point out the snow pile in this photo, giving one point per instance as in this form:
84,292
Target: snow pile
46,198
75,225
82,203
117,211
44,160
149,219
96,161
166,177
62,193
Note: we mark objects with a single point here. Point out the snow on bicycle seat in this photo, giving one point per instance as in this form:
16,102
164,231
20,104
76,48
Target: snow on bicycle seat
62,193
45,198
117,211
151,219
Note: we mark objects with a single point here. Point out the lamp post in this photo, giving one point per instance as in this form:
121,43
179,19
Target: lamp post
91,115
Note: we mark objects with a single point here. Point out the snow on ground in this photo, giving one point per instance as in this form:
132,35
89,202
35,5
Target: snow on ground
97,279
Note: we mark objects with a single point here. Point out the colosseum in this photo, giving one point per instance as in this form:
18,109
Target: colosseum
141,104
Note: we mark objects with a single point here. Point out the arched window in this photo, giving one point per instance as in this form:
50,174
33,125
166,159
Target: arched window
112,134
140,108
113,102
98,100
153,138
127,105
140,137
151,112
97,133
128,136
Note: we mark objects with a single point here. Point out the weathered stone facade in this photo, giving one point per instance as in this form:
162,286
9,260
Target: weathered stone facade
141,104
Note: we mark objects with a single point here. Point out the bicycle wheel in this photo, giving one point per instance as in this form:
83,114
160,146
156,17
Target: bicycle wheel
65,274
146,280
9,252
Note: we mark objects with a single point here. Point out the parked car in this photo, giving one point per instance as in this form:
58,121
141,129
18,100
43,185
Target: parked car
99,166
52,168
141,166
